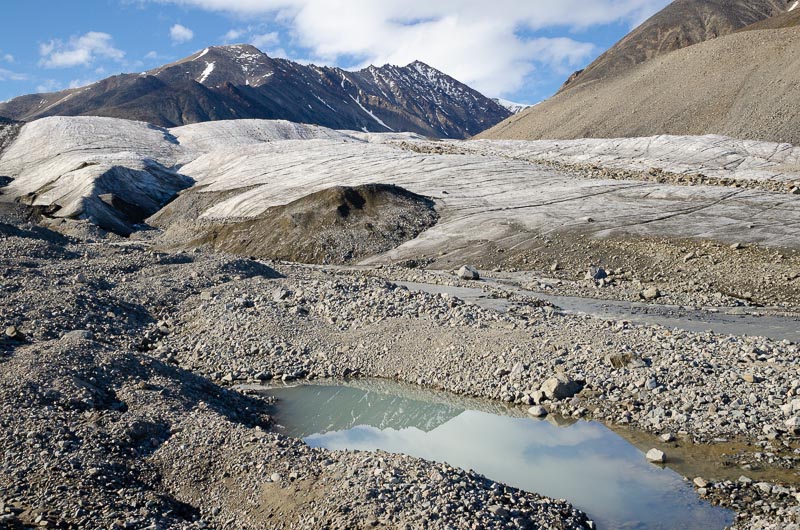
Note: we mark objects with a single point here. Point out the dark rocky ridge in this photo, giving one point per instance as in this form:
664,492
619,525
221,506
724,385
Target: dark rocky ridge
239,81
337,225
681,24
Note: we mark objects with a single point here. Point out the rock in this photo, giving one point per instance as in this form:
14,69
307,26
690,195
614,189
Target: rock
596,273
700,482
667,438
793,424
655,456
78,334
14,334
498,510
500,372
554,267
468,272
537,411
80,278
280,294
765,487
651,293
651,383
748,377
623,360
517,370
561,387
538,396
736,246
275,477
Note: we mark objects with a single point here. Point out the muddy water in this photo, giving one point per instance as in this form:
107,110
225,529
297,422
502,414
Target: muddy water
584,462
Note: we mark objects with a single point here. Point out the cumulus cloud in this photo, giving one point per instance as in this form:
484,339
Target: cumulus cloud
7,57
487,45
180,34
79,51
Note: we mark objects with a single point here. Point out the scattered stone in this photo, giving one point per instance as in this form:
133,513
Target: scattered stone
498,510
78,334
651,293
655,456
596,273
700,482
561,387
537,411
14,334
748,377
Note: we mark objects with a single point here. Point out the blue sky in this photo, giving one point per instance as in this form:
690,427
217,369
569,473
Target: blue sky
521,50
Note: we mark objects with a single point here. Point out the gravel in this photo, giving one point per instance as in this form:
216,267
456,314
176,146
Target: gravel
119,401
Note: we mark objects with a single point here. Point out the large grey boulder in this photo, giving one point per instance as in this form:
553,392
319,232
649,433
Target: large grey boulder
468,272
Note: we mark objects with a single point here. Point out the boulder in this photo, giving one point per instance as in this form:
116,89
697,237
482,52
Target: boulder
561,387
655,456
596,273
651,293
624,360
468,272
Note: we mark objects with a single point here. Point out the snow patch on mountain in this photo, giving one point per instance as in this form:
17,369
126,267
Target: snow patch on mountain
514,108
377,119
206,72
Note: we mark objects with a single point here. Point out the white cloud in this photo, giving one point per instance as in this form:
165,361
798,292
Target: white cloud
265,40
7,57
50,85
234,35
180,34
79,83
79,51
8,75
484,45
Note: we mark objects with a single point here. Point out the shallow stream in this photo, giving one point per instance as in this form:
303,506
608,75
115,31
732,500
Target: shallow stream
696,320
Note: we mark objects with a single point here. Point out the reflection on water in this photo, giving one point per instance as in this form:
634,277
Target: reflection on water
584,462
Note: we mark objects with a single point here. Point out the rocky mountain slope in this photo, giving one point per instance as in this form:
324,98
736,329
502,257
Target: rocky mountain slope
745,85
789,19
685,71
682,23
239,81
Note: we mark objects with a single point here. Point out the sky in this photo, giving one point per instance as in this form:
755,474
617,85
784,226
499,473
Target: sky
521,50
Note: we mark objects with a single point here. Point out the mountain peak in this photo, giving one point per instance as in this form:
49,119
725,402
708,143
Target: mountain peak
240,81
